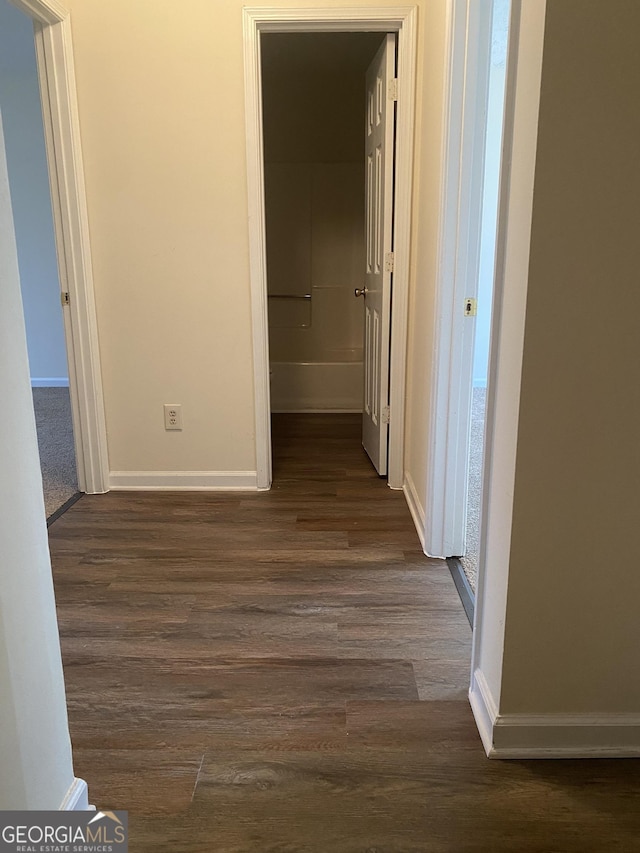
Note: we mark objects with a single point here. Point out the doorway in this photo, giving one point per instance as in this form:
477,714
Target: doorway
40,287
256,23
486,272
56,77
317,243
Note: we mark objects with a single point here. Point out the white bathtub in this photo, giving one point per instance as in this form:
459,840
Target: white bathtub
328,386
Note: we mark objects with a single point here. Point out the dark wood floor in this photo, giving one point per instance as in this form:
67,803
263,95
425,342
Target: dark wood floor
287,672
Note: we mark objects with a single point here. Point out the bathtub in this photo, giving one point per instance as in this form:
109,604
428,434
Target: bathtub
320,386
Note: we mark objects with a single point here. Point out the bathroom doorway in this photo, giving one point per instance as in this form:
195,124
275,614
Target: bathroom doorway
320,241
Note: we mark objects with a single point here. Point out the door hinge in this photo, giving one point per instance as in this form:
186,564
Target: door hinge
388,262
64,297
386,414
393,89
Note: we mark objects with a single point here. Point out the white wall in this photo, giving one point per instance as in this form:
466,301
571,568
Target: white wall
36,770
29,182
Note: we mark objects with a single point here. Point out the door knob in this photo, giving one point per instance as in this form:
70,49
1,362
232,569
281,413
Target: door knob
361,291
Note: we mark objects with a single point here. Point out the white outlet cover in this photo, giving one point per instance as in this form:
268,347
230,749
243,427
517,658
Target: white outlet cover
172,416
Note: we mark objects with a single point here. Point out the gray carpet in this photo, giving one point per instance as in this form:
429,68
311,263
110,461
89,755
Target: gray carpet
55,441
470,560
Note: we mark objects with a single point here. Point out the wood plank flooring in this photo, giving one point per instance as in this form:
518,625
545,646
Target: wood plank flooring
286,672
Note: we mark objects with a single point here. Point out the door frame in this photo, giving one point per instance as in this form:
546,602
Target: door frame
467,90
515,213
54,56
402,21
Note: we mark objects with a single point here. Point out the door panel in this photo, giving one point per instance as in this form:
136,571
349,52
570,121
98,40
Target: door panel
379,141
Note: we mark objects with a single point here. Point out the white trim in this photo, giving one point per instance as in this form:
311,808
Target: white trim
49,382
44,11
462,146
54,55
340,19
184,480
519,736
415,507
484,709
524,70
566,736
405,132
257,249
401,19
77,798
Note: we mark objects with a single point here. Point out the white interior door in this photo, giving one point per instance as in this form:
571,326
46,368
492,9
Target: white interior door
380,115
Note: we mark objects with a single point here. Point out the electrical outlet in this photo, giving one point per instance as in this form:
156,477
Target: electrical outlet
172,416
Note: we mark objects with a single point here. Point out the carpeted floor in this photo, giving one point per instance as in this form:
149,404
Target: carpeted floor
55,441
470,560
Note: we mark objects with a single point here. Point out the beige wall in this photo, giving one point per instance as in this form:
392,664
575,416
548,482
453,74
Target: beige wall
572,629
161,104
162,120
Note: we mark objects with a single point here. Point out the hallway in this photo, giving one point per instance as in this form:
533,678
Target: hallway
287,671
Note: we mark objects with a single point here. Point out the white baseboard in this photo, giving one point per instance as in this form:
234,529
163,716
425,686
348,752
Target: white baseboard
518,736
77,798
415,507
50,382
484,710
221,481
